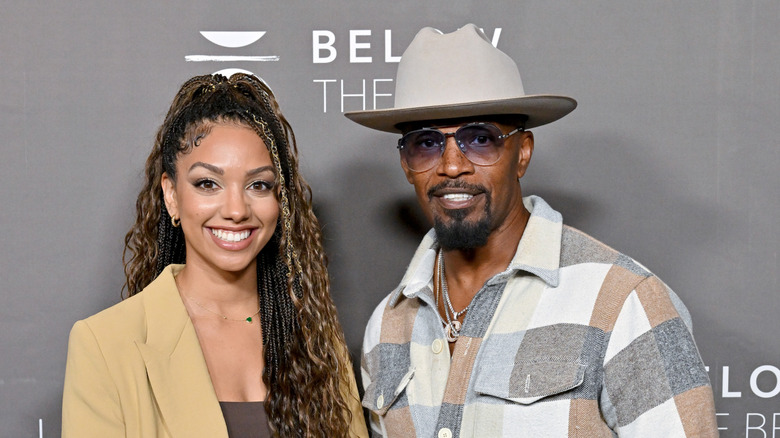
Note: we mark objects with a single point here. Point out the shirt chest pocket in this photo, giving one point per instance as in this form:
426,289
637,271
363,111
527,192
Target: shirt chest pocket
388,390
529,381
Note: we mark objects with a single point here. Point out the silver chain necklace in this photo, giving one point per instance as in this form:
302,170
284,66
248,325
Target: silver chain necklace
452,326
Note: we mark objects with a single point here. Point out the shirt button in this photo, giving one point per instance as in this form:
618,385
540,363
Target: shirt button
380,401
445,433
437,346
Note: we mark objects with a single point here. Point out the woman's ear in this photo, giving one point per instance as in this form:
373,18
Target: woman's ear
169,195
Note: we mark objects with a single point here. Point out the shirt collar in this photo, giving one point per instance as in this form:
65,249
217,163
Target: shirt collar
538,253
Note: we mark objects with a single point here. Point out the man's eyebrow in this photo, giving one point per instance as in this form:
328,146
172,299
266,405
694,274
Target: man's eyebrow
259,170
208,166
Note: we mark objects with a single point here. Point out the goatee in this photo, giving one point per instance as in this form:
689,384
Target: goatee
461,234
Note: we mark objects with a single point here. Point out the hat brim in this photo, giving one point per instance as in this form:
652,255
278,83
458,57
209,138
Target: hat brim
539,108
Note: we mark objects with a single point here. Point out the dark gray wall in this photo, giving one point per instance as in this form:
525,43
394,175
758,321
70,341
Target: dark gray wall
671,157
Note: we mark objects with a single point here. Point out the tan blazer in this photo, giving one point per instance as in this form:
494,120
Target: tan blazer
136,370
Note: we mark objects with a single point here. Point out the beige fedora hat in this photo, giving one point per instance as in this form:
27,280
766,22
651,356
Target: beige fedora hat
460,74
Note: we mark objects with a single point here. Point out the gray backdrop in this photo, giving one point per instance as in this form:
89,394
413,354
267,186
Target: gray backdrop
671,157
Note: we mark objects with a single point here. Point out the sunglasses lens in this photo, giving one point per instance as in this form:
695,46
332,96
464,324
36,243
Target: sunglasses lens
422,148
481,143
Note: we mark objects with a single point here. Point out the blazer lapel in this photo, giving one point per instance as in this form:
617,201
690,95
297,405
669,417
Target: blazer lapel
177,371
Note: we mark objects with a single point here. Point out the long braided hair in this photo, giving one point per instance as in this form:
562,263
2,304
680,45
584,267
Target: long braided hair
306,360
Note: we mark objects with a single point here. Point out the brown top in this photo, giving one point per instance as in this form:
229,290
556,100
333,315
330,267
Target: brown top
245,419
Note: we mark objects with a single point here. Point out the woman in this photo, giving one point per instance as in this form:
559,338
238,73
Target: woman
229,329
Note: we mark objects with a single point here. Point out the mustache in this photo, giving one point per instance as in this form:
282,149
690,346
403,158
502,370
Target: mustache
456,184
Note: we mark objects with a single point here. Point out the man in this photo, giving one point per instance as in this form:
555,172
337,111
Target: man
507,322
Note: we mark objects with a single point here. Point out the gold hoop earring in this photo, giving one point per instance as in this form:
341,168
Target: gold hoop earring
175,222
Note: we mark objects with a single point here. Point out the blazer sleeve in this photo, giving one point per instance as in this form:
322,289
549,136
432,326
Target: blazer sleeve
357,427
90,400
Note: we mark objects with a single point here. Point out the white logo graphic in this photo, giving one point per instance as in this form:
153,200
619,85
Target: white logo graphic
232,39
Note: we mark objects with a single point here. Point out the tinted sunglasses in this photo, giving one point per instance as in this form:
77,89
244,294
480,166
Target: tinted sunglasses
481,143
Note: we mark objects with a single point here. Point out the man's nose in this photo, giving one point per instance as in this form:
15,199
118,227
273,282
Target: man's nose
453,162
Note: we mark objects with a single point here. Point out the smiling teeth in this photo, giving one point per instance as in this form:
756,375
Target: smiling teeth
229,236
457,196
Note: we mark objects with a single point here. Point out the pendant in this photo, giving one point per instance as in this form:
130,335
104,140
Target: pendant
249,320
452,330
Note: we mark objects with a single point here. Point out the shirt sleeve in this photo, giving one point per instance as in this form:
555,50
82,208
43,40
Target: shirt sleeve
90,401
371,341
655,383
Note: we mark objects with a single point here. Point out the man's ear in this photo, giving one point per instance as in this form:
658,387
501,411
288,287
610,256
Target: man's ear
526,151
169,195
408,172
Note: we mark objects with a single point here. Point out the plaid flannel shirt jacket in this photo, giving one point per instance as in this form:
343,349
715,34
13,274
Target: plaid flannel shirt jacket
572,339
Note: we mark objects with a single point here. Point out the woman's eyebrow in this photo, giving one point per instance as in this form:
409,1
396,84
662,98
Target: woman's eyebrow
262,169
208,166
